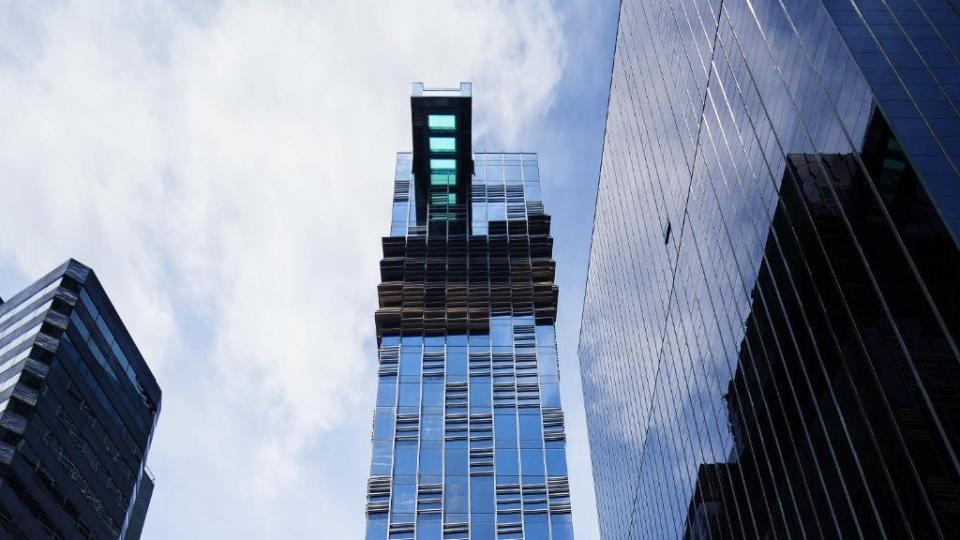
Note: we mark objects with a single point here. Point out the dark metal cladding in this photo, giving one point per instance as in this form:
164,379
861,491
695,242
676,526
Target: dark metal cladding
78,407
455,284
461,107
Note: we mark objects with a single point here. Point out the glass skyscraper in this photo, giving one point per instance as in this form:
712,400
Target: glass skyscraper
468,433
769,346
78,406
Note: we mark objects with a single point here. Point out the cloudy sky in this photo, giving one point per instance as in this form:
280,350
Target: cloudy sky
226,169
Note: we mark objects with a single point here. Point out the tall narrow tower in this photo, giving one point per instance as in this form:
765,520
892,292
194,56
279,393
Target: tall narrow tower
468,438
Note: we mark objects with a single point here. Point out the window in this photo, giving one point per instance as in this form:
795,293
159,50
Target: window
443,144
443,198
443,165
442,122
405,463
443,179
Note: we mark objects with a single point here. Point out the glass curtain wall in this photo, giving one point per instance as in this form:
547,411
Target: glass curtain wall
769,337
468,436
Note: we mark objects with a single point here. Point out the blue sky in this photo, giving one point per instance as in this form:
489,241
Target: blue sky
226,169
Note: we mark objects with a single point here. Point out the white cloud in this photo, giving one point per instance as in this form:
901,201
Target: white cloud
227,171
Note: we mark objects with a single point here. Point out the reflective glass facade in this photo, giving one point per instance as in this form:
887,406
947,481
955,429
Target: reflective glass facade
769,337
78,406
468,433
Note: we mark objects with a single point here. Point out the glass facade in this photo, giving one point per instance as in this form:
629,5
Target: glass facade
78,406
769,337
468,433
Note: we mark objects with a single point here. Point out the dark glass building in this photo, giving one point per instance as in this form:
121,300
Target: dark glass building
769,346
468,434
78,407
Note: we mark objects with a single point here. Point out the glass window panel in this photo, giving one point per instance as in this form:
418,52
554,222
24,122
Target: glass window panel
456,361
399,211
480,529
410,394
406,458
532,192
431,460
480,392
428,527
546,336
479,340
455,495
481,495
497,211
505,425
547,365
410,362
443,165
442,122
377,527
535,527
382,457
501,331
556,462
507,461
523,319
383,423
443,144
561,527
530,427
431,427
387,392
550,394
456,458
404,499
443,178
432,394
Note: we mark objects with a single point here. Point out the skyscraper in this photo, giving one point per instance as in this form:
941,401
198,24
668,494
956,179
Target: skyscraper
468,434
769,338
79,406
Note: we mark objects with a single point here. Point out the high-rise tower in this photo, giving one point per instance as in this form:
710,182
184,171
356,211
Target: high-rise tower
769,346
468,437
78,406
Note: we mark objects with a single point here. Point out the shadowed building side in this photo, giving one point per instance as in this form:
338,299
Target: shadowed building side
769,342
79,406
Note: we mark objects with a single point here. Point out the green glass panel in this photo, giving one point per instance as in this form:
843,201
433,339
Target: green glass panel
442,122
440,165
443,198
443,144
443,179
